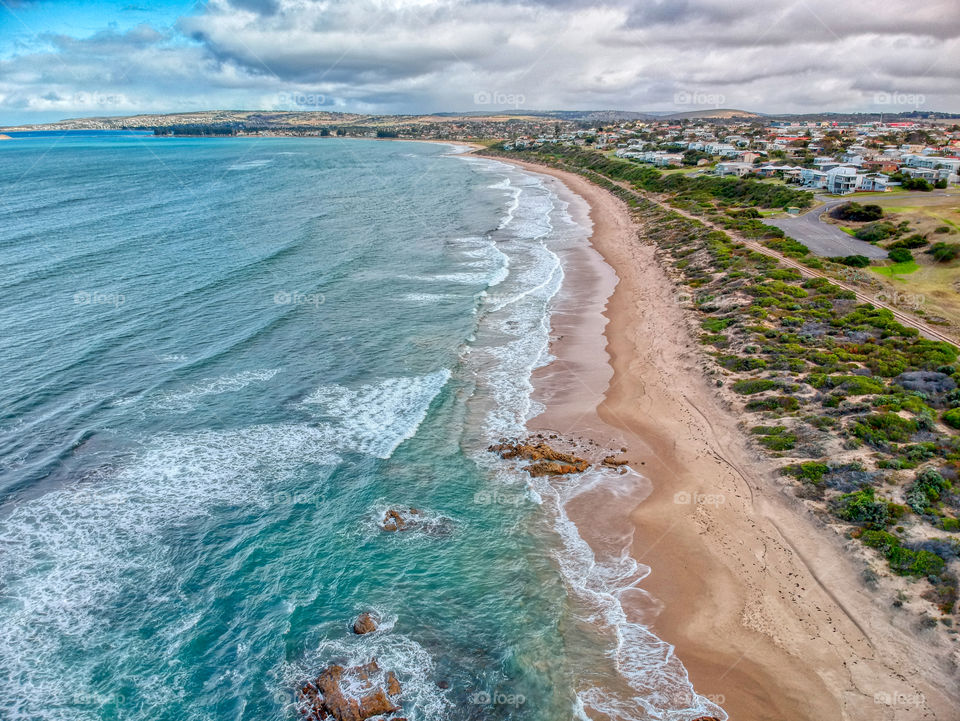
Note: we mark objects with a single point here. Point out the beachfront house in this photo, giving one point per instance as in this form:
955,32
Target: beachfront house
842,180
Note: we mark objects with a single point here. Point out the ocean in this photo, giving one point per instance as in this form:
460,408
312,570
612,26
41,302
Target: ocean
224,360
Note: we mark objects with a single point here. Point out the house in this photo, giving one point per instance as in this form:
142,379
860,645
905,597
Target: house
881,166
873,182
811,178
842,180
733,168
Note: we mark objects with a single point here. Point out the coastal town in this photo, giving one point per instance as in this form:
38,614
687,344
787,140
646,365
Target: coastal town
827,156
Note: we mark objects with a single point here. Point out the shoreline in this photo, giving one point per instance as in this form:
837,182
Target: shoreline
763,607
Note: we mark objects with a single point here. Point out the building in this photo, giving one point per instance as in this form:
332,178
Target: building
733,168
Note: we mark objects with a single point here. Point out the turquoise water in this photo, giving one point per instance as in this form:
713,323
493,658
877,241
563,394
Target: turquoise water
223,361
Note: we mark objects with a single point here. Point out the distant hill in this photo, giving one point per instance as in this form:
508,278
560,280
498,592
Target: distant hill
287,119
716,113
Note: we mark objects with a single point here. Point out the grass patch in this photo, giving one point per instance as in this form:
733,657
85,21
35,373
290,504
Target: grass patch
896,269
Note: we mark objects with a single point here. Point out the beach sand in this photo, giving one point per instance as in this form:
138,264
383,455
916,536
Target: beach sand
765,608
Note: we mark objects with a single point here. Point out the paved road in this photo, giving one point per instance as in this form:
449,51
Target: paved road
823,238
926,330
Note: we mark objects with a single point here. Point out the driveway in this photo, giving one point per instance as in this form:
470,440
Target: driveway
823,238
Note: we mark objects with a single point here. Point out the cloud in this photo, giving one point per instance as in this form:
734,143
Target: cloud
429,55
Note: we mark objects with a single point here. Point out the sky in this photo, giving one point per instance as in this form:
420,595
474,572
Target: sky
76,58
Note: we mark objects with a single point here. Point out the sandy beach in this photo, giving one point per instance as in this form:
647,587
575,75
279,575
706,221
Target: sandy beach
763,605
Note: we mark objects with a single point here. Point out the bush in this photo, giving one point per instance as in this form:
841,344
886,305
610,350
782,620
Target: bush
856,212
861,507
875,231
881,428
952,417
753,385
809,471
916,184
854,261
911,242
925,490
900,255
777,403
779,441
903,561
943,252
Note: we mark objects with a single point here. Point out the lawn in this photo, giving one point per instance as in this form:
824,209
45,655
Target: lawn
930,288
896,269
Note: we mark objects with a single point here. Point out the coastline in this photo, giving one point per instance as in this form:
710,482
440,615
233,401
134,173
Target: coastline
763,607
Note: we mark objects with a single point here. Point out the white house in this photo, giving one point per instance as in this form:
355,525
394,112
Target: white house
842,180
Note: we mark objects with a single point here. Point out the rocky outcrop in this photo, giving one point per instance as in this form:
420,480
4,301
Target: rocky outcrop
352,694
365,623
614,462
545,460
400,520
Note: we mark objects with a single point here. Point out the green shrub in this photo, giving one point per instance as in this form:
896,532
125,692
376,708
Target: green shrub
875,232
903,561
753,385
910,242
925,490
857,213
861,507
881,428
900,255
715,325
916,184
776,403
811,471
854,261
779,441
952,417
944,252
857,385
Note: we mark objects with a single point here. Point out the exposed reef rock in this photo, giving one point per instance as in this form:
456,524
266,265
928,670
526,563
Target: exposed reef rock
365,623
352,694
546,461
400,520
